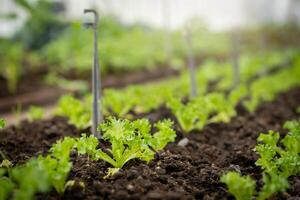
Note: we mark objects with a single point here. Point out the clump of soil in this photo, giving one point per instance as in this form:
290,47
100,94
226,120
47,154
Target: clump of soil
189,172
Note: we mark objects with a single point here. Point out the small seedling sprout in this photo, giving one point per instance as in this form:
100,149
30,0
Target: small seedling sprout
191,61
96,87
235,39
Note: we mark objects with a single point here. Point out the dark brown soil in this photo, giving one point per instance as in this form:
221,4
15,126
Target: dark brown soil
190,172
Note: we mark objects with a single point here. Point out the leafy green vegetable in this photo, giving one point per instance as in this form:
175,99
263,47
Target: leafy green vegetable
30,179
118,103
23,182
2,123
192,115
58,165
77,111
267,88
241,187
6,185
164,135
213,107
35,113
273,183
11,55
128,140
277,162
131,140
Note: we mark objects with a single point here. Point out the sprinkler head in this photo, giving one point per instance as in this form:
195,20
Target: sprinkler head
91,24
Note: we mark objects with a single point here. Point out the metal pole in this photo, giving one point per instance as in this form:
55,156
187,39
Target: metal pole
191,63
96,87
235,38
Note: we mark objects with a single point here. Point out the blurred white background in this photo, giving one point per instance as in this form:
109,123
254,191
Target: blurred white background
217,14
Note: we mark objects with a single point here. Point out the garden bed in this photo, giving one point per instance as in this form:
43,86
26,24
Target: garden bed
33,89
190,172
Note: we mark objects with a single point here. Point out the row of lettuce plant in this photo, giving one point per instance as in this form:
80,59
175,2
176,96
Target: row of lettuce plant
129,140
144,98
120,51
139,100
279,158
218,107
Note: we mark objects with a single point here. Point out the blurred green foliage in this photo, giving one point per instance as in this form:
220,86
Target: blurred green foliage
46,40
42,24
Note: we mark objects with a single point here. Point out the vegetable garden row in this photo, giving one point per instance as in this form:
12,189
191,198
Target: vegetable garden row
231,140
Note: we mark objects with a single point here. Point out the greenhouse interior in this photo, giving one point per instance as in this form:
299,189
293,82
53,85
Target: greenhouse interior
140,99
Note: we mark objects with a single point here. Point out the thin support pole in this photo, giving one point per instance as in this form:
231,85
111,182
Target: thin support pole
191,63
235,38
96,82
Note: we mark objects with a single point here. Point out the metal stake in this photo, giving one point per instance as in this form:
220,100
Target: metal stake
191,63
235,39
96,87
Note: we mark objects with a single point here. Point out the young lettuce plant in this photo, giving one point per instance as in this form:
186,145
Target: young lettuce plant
131,140
119,103
30,179
267,88
241,187
223,107
38,175
2,123
190,116
211,108
128,140
77,111
35,113
23,182
57,165
277,162
6,185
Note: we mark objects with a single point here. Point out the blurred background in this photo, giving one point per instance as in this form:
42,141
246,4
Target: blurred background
45,51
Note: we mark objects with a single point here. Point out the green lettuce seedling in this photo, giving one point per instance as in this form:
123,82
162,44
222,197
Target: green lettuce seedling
57,164
2,123
131,140
211,108
30,179
119,103
35,113
78,112
273,183
241,187
278,162
23,181
190,116
6,185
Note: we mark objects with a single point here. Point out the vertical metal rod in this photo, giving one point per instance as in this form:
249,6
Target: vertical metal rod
96,87
235,39
166,21
191,63
263,45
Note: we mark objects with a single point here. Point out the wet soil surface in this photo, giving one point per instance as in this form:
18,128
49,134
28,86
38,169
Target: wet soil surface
189,172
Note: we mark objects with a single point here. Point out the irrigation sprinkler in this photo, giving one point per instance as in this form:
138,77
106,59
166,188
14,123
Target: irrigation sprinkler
235,39
96,87
191,62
